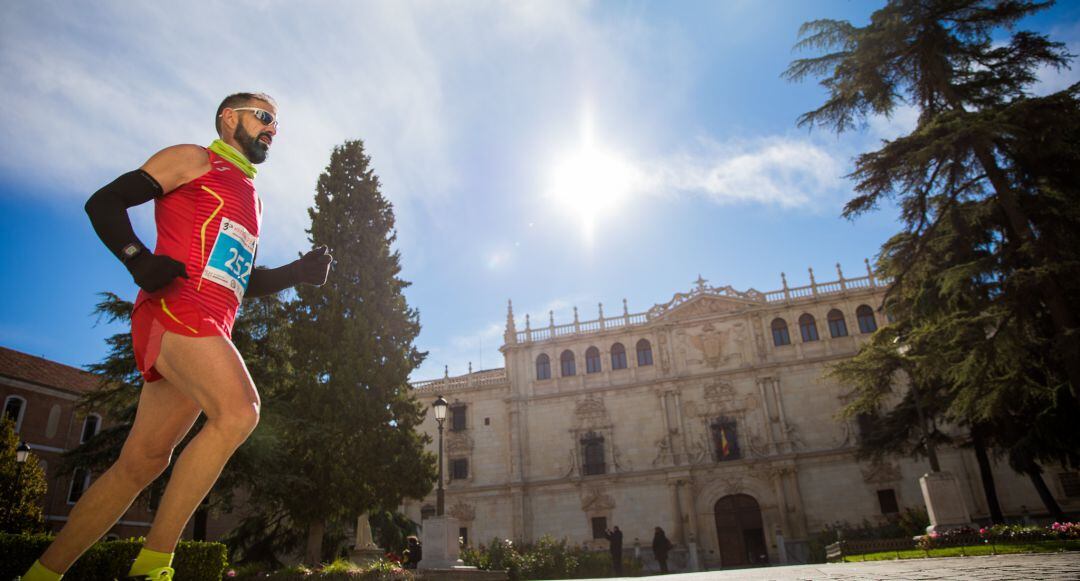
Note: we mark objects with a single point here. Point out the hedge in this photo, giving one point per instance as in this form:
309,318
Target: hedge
109,560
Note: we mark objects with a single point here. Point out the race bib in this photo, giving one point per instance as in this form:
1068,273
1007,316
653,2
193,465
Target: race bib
232,258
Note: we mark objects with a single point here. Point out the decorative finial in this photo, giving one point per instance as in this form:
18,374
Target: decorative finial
783,278
446,371
551,318
601,305
470,368
625,311
526,321
510,328
575,315
839,272
869,271
700,282
811,276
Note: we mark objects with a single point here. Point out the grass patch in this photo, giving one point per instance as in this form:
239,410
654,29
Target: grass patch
971,551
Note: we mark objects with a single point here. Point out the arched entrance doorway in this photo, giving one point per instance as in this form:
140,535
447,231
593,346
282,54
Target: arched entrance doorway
739,531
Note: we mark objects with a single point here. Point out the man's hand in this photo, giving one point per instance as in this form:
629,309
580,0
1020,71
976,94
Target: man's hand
154,272
313,267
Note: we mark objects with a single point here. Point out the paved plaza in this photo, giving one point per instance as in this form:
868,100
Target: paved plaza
1057,566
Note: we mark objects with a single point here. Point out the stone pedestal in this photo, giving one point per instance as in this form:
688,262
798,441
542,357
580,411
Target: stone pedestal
692,563
944,502
440,543
365,550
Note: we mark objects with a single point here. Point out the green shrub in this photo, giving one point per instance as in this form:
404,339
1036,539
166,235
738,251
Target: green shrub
339,570
108,560
547,559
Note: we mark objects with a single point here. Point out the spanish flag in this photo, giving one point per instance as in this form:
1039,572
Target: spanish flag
724,448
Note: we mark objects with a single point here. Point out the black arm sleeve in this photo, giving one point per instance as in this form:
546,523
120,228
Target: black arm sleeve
267,281
107,208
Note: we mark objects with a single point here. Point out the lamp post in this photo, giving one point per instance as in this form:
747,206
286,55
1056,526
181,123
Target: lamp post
931,452
440,416
22,453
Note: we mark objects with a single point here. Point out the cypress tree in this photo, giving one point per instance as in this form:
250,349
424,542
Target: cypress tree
351,418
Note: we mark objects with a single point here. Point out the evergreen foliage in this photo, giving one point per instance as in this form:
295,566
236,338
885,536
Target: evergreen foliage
22,487
987,267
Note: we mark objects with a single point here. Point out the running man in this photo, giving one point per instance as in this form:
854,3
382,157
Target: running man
208,220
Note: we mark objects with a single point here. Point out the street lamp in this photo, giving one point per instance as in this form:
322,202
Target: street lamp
440,416
931,453
22,453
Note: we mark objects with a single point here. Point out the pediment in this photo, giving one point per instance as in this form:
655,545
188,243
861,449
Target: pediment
702,305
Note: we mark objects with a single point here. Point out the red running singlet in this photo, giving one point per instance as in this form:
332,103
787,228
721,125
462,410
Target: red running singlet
211,224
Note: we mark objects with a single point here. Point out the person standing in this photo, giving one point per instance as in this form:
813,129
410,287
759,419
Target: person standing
614,536
660,548
208,219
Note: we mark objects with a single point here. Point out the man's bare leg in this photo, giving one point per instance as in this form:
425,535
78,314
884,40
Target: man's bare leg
210,371
164,416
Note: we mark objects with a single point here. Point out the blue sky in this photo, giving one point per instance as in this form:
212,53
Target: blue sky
482,118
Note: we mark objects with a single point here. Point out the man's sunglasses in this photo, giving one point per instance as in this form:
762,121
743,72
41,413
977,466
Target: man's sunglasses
265,117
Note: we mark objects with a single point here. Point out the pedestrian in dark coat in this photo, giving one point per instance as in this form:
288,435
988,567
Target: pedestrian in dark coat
660,548
413,553
615,537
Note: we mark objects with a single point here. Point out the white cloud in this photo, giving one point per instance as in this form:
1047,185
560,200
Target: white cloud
776,171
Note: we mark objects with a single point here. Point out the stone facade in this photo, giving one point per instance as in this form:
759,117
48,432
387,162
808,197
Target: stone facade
714,429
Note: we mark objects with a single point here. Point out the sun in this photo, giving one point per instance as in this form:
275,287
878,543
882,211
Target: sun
592,184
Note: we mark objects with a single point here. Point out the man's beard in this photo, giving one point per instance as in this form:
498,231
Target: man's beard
253,149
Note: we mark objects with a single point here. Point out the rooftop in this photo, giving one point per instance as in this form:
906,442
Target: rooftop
25,367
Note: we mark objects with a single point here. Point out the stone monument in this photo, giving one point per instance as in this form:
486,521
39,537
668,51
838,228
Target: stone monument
944,502
365,550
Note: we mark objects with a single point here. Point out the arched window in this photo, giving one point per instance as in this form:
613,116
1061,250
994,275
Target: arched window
837,325
566,362
15,409
780,336
592,360
808,328
543,366
644,353
867,322
90,428
80,481
618,356
592,452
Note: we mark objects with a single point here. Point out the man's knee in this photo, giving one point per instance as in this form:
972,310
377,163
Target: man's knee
143,465
238,422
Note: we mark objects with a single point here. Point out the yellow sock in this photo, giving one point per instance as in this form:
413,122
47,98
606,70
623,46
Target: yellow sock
148,561
38,572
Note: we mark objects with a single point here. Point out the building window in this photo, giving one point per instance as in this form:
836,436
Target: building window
543,367
80,481
457,417
780,336
592,450
592,360
887,500
644,353
463,535
14,410
725,440
837,325
566,364
808,328
91,425
865,316
459,469
1070,484
599,527
618,356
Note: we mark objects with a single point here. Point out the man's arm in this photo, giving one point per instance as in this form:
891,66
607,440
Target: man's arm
312,268
107,208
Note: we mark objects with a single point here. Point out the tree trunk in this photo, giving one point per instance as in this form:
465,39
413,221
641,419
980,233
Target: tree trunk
987,474
1044,493
313,554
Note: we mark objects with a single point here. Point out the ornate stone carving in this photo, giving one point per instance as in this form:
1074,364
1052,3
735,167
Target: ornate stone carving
663,452
705,300
591,413
719,391
462,511
732,484
881,473
459,443
595,500
665,357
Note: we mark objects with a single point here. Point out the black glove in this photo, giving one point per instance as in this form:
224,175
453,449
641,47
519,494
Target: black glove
314,267
153,272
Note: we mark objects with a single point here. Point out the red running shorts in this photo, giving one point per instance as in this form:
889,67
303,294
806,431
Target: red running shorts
152,319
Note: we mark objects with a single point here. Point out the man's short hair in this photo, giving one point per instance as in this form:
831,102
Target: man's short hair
237,100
